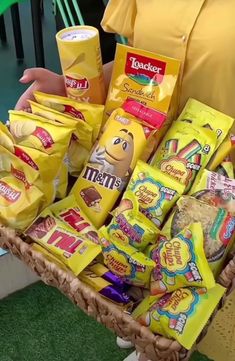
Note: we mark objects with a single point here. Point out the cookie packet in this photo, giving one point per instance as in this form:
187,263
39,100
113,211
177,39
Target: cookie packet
215,189
222,152
184,152
91,114
62,241
130,226
68,211
197,113
104,288
125,261
155,191
143,76
180,262
20,197
218,228
111,163
180,315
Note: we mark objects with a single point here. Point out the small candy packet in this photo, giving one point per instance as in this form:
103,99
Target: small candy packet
100,270
180,262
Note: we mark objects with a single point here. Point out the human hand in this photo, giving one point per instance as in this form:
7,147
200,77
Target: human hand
43,80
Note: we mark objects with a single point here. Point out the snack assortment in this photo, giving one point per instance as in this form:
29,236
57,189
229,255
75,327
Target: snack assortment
146,215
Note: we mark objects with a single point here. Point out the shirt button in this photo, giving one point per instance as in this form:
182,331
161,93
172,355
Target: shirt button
184,38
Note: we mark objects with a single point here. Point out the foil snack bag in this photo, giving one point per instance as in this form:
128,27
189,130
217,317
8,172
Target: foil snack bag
141,75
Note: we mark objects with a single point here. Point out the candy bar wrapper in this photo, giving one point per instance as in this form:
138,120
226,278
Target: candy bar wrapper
100,270
91,114
180,315
184,152
155,191
63,242
104,287
130,226
68,211
216,190
224,151
180,262
20,196
218,228
49,256
143,76
111,164
197,113
125,261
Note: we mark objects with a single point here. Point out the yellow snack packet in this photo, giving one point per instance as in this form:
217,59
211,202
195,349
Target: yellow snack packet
218,227
62,241
222,152
20,197
125,261
180,315
50,256
226,168
91,114
143,76
155,191
130,226
215,189
180,262
33,131
69,212
184,152
110,164
202,115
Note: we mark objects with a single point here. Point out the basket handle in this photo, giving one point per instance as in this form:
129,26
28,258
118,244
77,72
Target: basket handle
227,276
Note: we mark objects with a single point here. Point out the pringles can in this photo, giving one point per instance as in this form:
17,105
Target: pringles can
81,62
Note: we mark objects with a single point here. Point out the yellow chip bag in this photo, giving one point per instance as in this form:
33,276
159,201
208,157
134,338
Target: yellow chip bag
20,197
180,315
130,226
111,164
215,189
36,132
222,152
125,261
92,114
184,151
62,241
155,191
202,115
69,212
218,227
180,262
143,76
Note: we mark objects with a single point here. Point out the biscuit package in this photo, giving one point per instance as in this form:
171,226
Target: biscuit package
20,197
216,190
180,315
69,212
180,262
63,241
146,77
204,116
131,226
125,261
92,114
111,163
155,191
184,152
218,227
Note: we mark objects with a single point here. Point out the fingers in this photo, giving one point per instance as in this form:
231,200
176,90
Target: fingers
39,74
22,103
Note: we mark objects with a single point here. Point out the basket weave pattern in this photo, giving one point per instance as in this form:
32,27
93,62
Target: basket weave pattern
154,347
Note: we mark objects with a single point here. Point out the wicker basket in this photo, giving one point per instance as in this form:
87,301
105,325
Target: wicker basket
154,347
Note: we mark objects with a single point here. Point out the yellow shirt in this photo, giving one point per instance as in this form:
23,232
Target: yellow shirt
200,33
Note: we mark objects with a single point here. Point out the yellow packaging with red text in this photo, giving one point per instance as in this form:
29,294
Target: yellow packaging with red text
20,197
146,77
180,262
91,114
62,241
184,152
125,261
110,164
180,315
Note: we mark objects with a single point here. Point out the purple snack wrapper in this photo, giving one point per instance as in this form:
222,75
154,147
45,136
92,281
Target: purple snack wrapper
115,295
